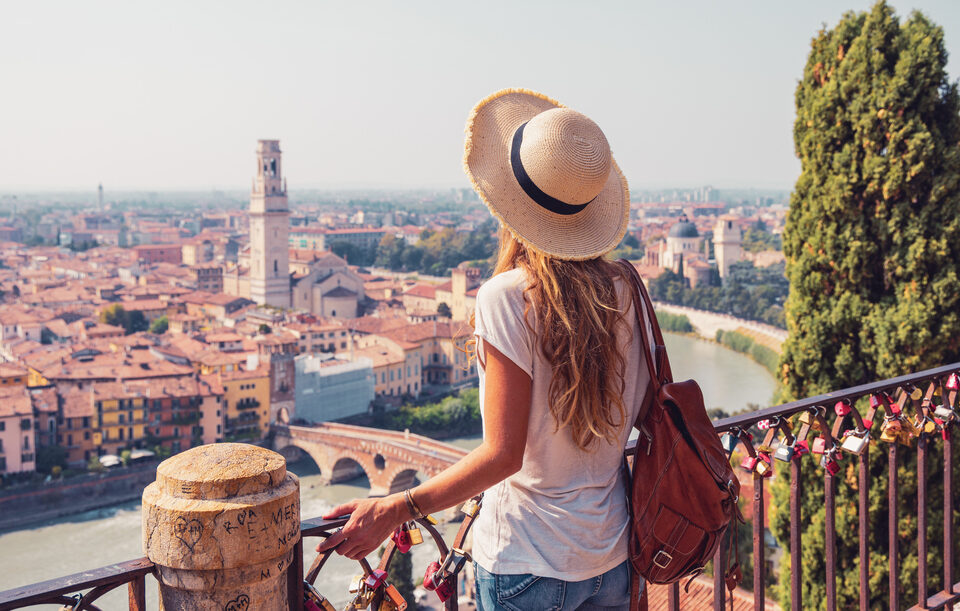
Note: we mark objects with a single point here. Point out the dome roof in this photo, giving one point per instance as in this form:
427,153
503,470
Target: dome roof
684,229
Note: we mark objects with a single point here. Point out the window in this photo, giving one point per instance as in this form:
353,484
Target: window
3,425
391,379
51,427
26,443
120,433
26,457
69,440
343,345
86,422
86,434
120,419
3,463
25,424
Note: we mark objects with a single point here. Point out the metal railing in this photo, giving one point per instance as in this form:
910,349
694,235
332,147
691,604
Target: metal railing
914,396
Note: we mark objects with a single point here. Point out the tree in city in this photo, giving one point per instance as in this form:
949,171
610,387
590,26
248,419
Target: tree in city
264,329
444,310
160,325
872,243
132,322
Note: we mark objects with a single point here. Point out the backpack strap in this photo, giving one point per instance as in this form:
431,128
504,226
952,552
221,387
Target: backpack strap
658,364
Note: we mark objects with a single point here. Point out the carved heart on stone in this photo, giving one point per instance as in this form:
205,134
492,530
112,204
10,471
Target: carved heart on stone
239,603
188,532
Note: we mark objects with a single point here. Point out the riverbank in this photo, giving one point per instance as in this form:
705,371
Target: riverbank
706,324
24,506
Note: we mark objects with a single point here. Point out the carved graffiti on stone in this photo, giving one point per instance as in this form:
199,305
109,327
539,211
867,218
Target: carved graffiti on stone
189,532
239,603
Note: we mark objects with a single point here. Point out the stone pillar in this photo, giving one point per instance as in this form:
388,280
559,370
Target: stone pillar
220,523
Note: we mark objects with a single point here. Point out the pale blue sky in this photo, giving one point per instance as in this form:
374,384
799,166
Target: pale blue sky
174,94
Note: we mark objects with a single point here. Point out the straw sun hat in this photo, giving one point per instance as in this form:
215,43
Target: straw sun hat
546,172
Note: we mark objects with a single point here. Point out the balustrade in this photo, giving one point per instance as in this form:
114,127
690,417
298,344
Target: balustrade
919,410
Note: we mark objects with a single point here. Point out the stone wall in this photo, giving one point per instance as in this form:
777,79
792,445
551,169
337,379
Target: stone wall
26,505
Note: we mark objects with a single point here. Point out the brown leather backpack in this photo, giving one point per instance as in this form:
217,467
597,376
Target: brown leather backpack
683,490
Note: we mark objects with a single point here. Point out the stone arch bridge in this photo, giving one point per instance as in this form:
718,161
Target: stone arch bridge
390,459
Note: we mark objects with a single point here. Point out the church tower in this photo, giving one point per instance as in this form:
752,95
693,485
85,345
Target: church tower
269,225
726,245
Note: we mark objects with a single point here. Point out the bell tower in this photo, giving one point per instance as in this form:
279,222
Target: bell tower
269,226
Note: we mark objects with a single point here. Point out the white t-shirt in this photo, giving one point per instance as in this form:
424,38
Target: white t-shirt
564,514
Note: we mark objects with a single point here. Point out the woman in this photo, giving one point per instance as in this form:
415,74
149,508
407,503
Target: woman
560,375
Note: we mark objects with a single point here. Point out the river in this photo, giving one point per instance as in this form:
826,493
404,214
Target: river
101,537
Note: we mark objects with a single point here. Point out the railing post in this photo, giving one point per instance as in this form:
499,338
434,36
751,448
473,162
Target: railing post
947,512
830,502
221,524
922,521
796,564
892,527
759,562
720,568
137,594
864,493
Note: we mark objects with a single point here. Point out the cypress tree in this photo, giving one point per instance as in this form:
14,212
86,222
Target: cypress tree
872,243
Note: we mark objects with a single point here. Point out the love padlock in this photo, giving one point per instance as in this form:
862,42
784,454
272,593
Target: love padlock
953,382
785,452
801,448
729,442
842,408
429,575
749,463
765,465
401,538
375,579
444,590
819,445
829,464
854,443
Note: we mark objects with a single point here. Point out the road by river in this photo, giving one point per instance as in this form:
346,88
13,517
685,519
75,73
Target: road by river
97,538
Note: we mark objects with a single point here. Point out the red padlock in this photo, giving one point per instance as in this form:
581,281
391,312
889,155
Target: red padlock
401,538
800,448
749,463
444,590
375,579
842,408
953,382
429,574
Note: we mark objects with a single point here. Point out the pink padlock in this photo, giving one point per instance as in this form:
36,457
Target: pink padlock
842,408
401,538
444,590
429,575
953,382
375,579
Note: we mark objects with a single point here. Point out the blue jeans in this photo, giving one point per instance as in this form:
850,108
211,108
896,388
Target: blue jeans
611,590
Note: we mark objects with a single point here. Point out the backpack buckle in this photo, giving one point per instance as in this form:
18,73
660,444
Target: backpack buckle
662,557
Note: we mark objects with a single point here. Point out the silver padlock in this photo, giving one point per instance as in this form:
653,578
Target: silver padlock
855,444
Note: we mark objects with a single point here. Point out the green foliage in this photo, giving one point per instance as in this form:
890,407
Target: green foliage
160,325
444,310
677,323
264,329
751,293
742,343
125,458
452,417
94,465
353,254
116,315
50,458
757,238
437,253
872,243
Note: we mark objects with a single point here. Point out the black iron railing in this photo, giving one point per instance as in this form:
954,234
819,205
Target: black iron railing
925,401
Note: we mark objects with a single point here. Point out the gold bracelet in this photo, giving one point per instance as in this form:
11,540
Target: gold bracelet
412,505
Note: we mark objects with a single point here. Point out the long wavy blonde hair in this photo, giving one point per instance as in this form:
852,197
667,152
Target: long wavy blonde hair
577,312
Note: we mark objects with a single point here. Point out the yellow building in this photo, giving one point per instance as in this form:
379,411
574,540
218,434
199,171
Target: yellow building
12,375
121,416
246,397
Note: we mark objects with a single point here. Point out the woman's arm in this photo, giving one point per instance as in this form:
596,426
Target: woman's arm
506,412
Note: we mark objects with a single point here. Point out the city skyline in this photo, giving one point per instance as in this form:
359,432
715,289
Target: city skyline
372,96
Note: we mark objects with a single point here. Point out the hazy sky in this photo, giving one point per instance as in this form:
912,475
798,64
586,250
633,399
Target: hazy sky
174,94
